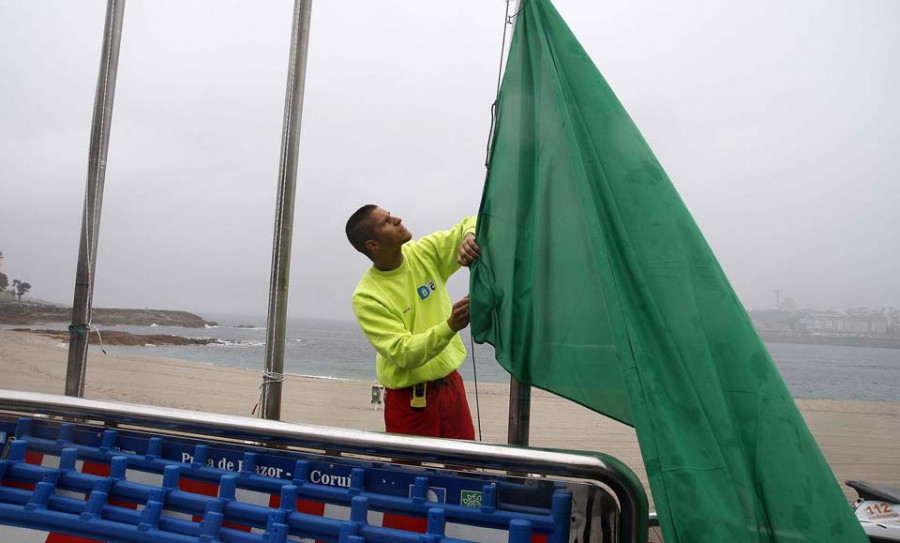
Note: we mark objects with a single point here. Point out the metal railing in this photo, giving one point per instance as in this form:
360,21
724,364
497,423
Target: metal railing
592,467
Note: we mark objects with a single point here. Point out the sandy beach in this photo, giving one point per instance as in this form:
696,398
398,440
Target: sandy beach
861,440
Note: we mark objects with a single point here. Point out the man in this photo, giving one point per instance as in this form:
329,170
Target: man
402,305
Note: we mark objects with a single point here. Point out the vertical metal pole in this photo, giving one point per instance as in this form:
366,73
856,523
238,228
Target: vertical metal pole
270,402
519,412
519,393
93,199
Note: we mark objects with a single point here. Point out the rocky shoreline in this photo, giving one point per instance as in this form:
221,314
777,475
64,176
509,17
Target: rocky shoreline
117,337
773,336
35,313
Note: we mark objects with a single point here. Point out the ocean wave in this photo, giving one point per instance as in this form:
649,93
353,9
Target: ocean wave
239,343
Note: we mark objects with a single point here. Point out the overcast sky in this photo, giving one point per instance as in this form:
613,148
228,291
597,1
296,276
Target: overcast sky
778,122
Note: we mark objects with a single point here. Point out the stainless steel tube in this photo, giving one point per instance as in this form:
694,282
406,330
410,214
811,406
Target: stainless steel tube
93,201
270,401
591,466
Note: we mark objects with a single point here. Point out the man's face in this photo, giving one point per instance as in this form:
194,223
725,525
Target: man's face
388,230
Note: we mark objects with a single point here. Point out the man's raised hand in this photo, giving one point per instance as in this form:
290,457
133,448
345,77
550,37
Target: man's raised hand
469,251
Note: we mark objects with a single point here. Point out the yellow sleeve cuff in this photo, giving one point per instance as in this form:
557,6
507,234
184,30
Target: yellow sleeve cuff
471,226
444,331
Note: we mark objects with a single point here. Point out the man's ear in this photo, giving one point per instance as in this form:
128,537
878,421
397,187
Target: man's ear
371,246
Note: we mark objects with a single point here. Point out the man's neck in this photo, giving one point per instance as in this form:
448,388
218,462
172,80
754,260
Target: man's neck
389,261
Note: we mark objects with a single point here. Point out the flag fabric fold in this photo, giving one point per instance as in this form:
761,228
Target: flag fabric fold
596,284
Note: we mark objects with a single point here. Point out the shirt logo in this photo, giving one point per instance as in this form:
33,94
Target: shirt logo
425,290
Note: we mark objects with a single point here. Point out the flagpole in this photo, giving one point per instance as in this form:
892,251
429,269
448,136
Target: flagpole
276,322
519,427
82,304
519,412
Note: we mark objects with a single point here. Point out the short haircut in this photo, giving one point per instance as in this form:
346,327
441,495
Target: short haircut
360,228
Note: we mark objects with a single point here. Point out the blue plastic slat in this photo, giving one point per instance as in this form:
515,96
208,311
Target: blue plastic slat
98,518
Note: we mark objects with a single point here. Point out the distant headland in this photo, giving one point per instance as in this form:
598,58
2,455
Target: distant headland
32,312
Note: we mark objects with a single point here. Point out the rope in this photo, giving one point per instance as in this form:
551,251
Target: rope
475,372
512,18
507,20
268,378
83,329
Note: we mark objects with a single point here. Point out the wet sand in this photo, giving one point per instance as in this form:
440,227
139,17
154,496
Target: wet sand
861,440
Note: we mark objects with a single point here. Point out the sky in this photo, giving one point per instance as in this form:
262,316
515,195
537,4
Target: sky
777,121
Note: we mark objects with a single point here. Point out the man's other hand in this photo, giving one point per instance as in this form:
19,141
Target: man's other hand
469,251
459,317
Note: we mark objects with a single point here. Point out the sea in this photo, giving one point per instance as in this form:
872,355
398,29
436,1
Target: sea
339,350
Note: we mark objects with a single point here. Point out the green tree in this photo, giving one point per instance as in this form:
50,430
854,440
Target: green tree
20,288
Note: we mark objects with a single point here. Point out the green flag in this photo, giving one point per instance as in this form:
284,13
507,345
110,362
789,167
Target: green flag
596,284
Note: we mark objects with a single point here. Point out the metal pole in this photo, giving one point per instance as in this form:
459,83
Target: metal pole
93,199
519,393
270,401
519,412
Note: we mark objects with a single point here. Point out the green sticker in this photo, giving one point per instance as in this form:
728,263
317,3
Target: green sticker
470,498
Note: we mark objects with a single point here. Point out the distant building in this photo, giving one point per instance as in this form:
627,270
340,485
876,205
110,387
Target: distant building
853,324
861,322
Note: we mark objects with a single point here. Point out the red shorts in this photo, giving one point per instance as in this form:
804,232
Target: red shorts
446,413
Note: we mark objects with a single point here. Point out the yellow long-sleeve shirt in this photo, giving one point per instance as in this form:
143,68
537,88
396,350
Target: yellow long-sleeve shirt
404,311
